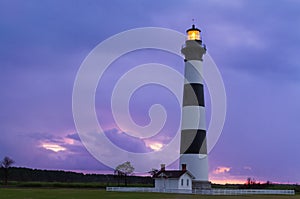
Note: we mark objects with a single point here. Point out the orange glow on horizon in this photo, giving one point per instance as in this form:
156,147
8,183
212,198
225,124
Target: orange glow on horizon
228,181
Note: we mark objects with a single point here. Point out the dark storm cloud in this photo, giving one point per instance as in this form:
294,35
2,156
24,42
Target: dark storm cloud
126,142
74,136
263,133
31,153
257,37
59,27
50,137
254,43
266,37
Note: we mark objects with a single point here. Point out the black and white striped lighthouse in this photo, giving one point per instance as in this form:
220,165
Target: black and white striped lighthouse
193,146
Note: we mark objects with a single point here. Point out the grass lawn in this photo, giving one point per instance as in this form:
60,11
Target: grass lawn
39,193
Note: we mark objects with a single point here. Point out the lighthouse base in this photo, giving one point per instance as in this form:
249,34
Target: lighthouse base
197,184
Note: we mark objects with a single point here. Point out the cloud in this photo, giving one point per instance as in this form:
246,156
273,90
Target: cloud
53,147
254,43
238,36
126,142
74,136
222,170
247,168
28,151
231,175
154,145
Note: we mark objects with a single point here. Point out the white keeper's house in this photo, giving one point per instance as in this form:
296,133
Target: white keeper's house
173,179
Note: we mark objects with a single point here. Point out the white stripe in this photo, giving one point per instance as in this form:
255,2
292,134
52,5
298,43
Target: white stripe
193,72
193,117
197,164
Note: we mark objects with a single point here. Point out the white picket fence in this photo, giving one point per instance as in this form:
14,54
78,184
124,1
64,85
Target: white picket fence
244,192
205,192
148,189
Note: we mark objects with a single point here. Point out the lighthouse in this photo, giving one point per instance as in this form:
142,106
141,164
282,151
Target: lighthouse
193,144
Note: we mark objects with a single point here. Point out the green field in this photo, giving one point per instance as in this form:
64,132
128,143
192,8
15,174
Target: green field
39,193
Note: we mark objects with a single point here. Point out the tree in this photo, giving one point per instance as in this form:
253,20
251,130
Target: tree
124,169
249,181
153,172
252,184
5,164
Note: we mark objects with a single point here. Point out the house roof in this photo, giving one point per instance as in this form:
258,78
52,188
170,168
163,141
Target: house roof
171,174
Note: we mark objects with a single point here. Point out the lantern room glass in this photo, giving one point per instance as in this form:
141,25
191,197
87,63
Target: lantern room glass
193,35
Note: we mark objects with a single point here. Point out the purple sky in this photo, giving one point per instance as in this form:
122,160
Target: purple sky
254,43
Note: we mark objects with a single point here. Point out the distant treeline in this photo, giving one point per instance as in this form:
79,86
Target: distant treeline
258,185
26,177
37,175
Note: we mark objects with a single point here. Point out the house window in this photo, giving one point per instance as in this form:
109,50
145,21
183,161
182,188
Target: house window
187,182
181,182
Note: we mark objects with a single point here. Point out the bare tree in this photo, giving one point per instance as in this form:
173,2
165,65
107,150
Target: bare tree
5,164
153,172
251,183
124,169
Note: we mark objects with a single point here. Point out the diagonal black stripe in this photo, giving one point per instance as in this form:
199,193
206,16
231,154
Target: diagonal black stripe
193,95
193,141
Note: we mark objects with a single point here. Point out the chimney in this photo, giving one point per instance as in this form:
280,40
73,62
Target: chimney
183,167
162,167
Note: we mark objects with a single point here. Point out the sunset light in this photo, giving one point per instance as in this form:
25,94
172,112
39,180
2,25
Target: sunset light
68,141
156,146
210,89
228,181
53,147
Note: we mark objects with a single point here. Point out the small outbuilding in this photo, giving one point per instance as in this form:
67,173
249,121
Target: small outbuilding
173,179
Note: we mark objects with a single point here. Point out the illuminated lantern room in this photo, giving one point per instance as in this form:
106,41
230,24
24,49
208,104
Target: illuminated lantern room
193,33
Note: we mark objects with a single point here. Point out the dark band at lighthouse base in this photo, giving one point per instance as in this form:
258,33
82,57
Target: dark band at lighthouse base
193,142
